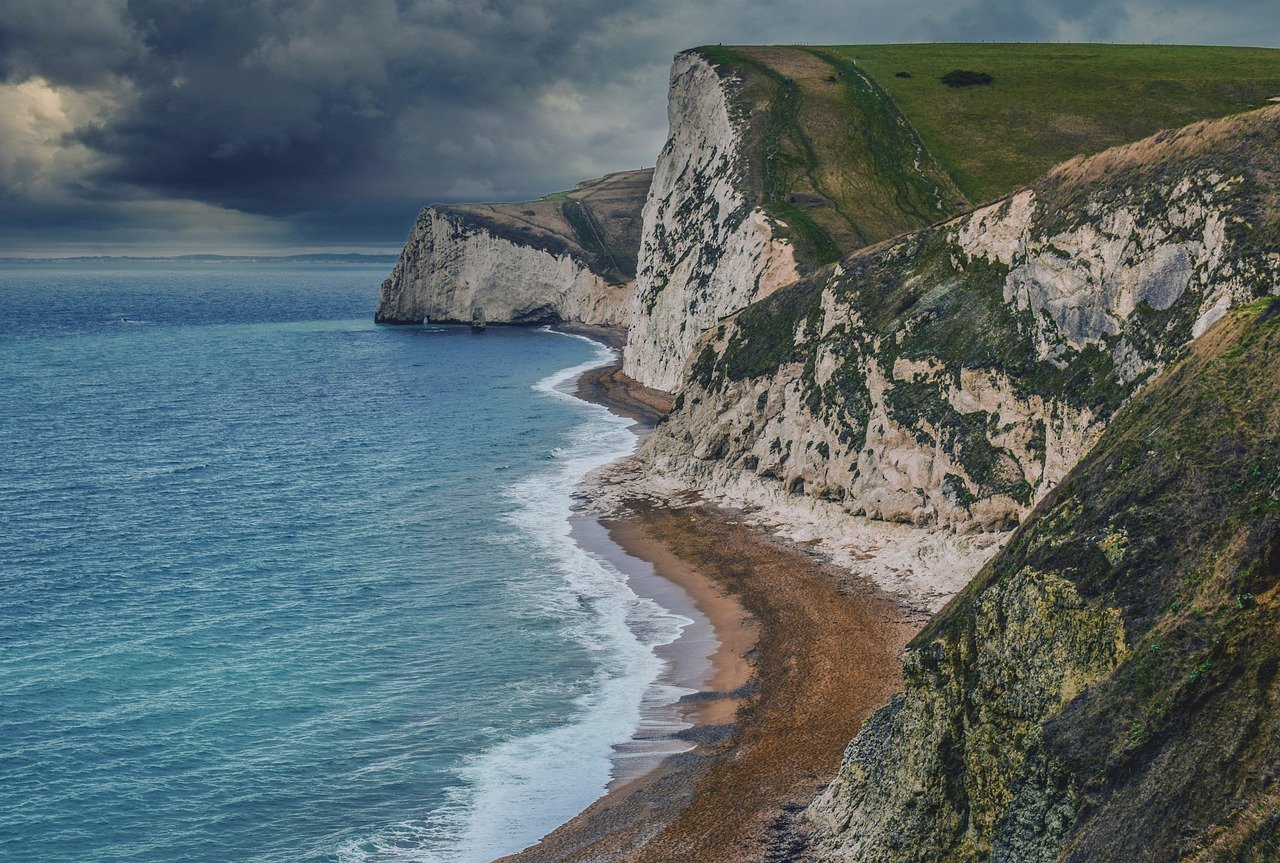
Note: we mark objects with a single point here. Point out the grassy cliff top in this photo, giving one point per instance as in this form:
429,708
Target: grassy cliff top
598,222
854,144
1048,102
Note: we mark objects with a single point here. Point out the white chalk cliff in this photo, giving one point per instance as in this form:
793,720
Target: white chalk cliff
706,250
909,440
564,258
451,269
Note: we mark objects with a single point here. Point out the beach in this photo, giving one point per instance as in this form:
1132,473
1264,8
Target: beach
801,653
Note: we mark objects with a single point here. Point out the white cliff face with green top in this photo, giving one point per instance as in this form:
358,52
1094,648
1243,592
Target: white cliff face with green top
706,249
452,268
564,258
949,380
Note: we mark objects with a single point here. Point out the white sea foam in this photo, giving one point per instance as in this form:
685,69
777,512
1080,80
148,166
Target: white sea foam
520,790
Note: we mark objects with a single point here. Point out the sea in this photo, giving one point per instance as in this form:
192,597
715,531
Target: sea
278,584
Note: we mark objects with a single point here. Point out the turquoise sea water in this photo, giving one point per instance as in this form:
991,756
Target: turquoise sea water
280,585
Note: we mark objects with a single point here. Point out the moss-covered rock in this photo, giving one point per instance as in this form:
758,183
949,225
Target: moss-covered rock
1105,689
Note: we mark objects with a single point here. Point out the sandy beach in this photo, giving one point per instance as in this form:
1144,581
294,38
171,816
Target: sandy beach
803,652
820,651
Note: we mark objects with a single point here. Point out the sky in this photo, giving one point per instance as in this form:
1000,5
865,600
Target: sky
179,126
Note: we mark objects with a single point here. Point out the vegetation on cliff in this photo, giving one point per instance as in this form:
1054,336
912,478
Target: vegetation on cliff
1106,688
996,346
829,155
598,222
851,145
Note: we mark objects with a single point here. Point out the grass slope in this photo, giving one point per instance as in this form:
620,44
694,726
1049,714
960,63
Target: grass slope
829,154
847,153
1049,102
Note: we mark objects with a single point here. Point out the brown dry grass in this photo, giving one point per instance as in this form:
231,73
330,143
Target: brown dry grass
1167,146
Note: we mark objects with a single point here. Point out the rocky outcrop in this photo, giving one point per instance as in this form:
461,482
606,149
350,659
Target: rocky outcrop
565,258
950,379
451,268
1106,688
707,249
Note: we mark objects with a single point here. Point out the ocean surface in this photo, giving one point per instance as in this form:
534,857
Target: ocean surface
277,584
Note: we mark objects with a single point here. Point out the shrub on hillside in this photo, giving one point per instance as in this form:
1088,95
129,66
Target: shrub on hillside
965,78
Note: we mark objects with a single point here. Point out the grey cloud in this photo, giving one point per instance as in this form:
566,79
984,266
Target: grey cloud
67,42
333,120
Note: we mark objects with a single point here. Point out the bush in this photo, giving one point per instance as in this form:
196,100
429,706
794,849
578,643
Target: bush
965,78
902,74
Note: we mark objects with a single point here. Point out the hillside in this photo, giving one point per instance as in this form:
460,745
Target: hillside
597,221
1106,688
854,144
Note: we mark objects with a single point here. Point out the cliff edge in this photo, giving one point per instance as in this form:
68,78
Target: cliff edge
767,172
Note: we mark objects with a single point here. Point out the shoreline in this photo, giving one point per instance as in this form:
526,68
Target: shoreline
608,387
827,654
707,661
767,722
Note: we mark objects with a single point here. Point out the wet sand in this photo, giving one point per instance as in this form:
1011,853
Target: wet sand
608,386
707,663
789,655
820,651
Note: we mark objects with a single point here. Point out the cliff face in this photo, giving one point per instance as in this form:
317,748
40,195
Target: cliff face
949,379
778,160
706,248
452,268
1106,688
568,257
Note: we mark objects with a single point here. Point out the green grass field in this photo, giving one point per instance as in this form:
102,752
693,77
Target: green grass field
1049,102
847,151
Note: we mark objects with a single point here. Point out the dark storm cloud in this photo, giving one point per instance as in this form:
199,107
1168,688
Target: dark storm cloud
312,122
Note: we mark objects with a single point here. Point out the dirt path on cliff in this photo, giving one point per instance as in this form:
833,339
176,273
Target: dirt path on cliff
827,655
